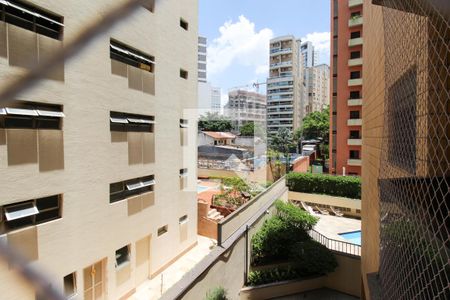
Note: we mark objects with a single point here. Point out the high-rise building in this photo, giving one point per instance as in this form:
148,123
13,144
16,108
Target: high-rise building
97,176
285,104
346,87
406,158
209,98
202,56
318,87
245,107
310,55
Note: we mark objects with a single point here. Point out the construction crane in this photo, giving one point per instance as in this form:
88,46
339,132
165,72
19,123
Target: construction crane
254,85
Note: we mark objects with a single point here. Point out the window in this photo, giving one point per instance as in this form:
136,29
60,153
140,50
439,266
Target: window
150,5
355,95
31,18
132,57
354,154
28,213
131,122
125,189
183,172
354,134
184,219
355,54
162,230
32,116
201,66
70,286
355,14
183,74
354,114
355,75
184,24
184,123
202,49
122,256
355,34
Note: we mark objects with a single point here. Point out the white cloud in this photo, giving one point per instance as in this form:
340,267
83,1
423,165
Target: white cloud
321,42
239,43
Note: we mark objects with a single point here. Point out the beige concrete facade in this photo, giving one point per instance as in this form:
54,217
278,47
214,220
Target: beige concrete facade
285,104
318,89
83,157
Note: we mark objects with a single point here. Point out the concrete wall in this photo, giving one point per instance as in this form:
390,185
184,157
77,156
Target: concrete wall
228,270
373,122
340,202
344,279
91,229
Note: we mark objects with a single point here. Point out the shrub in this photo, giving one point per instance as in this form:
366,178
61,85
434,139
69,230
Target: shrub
272,275
342,186
312,258
218,293
275,238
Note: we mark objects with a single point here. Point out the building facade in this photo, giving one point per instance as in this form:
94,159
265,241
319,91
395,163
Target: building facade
202,56
246,107
209,98
346,87
310,55
286,107
406,117
97,173
318,87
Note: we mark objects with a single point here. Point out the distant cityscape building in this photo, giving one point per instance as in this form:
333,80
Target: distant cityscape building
318,87
202,54
208,96
310,55
244,107
285,91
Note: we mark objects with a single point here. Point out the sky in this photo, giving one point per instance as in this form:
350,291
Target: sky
239,31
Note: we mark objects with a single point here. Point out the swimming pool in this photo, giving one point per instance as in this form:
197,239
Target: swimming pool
353,237
201,188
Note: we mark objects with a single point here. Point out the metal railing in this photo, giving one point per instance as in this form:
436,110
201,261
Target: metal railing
336,245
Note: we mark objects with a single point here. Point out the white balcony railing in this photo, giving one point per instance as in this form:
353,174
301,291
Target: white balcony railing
355,82
354,102
355,42
355,62
354,142
354,122
354,162
354,3
355,21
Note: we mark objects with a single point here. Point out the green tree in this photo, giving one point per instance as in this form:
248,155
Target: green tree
282,142
252,129
214,122
315,125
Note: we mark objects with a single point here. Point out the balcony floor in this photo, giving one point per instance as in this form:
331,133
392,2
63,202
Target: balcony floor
321,294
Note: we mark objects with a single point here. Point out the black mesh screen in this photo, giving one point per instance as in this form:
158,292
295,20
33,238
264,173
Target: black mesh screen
414,175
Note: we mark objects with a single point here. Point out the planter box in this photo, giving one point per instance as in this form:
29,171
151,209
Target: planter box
282,288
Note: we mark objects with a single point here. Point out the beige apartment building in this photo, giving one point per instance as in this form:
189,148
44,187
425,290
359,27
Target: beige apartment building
318,88
246,107
97,172
286,107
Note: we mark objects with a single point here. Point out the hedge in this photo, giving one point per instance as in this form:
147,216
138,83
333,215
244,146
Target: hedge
341,186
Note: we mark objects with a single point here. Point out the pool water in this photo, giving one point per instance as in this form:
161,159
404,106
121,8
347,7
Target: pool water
353,237
201,188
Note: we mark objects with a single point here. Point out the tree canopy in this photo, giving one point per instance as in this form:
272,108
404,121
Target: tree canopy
252,129
315,125
214,122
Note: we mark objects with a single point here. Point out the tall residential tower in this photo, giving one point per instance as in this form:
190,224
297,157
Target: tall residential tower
285,107
346,87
